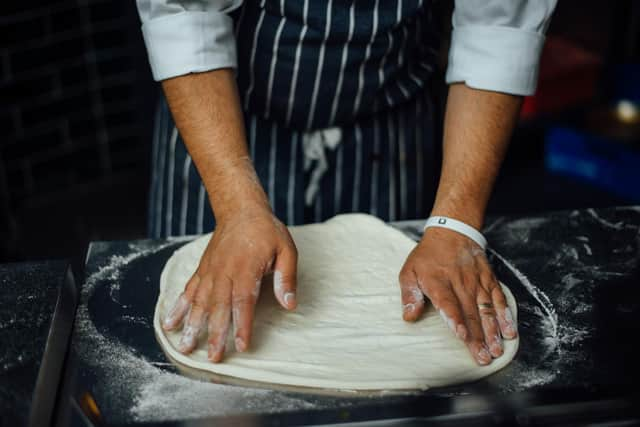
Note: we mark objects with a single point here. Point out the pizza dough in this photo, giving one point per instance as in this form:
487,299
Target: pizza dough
347,332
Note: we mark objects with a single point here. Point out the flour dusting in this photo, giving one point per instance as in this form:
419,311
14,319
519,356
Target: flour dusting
149,391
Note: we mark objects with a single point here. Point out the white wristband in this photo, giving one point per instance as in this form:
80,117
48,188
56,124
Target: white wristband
457,226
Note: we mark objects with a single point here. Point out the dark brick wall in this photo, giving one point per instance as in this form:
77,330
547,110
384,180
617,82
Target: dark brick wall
76,100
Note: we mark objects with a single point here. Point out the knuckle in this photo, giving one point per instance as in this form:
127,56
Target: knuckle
498,296
470,279
198,306
243,298
217,309
292,250
476,342
471,317
488,279
406,276
436,293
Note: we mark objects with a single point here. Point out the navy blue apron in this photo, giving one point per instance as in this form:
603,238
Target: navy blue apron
359,68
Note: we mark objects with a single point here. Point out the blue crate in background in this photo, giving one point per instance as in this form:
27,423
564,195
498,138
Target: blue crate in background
605,163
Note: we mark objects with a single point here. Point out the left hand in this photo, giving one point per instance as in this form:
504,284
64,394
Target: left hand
452,271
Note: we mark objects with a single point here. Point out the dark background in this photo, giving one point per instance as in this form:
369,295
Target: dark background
77,103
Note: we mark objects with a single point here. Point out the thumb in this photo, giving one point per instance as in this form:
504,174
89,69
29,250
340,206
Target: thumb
412,296
284,277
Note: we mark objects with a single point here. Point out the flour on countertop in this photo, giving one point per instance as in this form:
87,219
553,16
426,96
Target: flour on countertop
150,392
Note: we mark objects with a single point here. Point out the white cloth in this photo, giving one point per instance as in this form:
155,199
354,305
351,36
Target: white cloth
314,146
495,44
347,331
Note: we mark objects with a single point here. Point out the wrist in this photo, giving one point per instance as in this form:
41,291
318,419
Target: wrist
236,190
459,228
470,214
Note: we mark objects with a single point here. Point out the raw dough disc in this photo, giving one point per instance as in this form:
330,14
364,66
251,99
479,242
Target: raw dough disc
347,332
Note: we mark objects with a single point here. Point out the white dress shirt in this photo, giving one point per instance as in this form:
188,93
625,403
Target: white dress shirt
495,45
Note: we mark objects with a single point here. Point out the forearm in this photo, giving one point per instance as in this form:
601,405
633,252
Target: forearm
477,129
206,110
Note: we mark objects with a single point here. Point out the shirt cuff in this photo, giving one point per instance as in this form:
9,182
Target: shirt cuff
501,59
189,42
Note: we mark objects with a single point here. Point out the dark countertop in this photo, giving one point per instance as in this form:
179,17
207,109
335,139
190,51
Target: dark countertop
574,274
37,301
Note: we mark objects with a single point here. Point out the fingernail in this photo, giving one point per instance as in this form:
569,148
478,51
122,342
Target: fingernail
408,308
448,321
277,283
461,332
188,339
510,325
213,353
170,318
289,299
496,347
484,357
240,345
256,289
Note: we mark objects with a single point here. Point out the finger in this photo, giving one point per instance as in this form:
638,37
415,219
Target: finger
445,301
412,297
219,322
196,320
284,277
507,323
243,301
489,323
465,289
174,317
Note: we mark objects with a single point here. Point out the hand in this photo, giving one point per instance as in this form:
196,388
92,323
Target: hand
453,272
226,285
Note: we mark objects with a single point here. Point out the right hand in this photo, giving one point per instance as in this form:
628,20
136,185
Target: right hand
226,285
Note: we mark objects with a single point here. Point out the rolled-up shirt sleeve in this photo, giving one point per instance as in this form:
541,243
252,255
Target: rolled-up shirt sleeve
496,44
188,36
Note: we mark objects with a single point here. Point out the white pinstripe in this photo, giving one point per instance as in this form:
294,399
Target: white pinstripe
382,65
296,65
254,47
419,178
240,19
154,157
358,170
374,168
367,54
405,36
200,217
392,166
337,192
185,195
252,138
345,49
404,91
426,66
292,179
418,35
402,156
404,33
383,62
162,161
318,75
272,166
170,171
415,79
274,59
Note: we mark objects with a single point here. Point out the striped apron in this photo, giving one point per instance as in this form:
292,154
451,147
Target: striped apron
337,111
